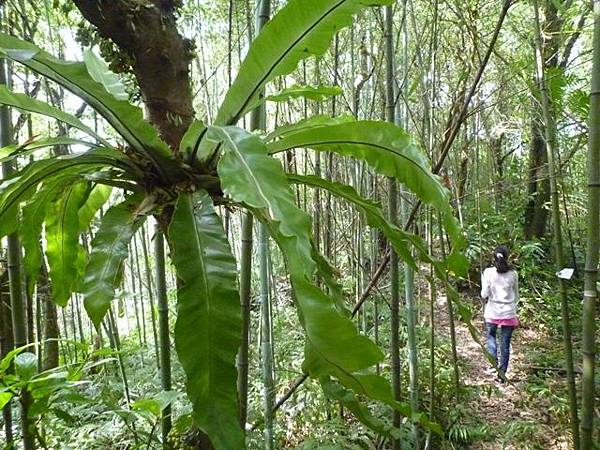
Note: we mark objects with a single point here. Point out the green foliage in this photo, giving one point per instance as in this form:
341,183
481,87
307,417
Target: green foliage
26,103
103,272
207,333
208,322
10,152
301,29
374,214
74,76
100,72
32,220
385,147
51,392
296,91
63,249
23,185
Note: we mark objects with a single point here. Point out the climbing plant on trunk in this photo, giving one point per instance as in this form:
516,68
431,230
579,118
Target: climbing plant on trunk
179,171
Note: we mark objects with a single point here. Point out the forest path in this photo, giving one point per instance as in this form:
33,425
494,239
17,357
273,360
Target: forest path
515,417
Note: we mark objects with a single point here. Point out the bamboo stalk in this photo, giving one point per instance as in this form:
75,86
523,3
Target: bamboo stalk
163,330
590,292
17,300
245,295
551,148
393,214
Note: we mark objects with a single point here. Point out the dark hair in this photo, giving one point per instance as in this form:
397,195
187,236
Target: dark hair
501,259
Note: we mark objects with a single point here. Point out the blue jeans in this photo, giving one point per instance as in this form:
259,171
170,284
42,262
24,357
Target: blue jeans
506,334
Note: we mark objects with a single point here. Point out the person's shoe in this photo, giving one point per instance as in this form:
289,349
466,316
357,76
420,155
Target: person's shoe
491,371
501,377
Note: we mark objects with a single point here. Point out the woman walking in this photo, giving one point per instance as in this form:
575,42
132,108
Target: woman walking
500,287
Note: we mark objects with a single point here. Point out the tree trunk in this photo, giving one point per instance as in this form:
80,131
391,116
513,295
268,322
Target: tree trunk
6,345
50,358
17,299
147,33
536,213
538,187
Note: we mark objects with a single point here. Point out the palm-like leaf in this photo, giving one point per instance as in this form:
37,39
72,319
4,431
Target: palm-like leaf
302,28
62,240
109,250
384,146
22,186
207,331
124,117
25,103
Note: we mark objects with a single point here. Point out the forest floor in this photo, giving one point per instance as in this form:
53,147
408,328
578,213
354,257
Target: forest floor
528,411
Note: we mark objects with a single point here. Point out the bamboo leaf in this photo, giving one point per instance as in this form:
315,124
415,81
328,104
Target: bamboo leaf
109,249
26,103
62,240
301,28
207,331
124,117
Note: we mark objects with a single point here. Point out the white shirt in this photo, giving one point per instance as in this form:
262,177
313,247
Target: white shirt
502,292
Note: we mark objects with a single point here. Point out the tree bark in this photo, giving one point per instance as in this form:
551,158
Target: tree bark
538,187
146,31
536,213
6,345
50,359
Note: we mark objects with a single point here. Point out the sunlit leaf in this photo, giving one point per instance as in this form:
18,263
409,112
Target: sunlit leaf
62,240
26,365
300,29
109,249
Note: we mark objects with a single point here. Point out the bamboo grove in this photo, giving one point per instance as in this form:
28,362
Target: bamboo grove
255,224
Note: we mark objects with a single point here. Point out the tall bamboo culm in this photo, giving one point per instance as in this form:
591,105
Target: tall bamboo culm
258,120
593,244
163,330
409,274
393,213
551,148
17,300
245,295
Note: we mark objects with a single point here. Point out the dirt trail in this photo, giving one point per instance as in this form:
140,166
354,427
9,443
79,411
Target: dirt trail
516,419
